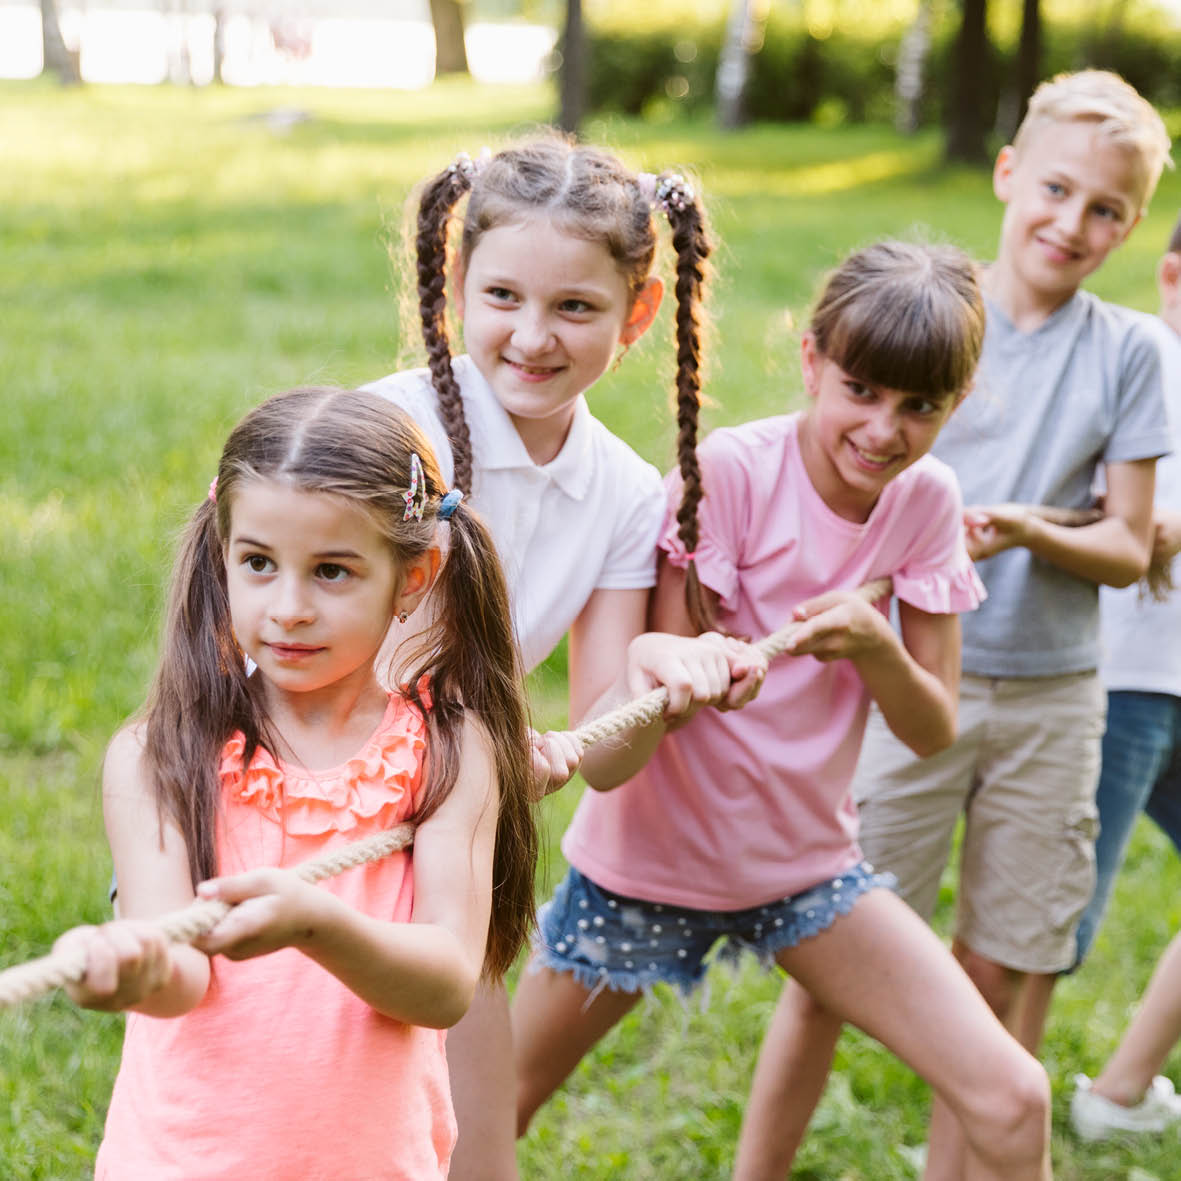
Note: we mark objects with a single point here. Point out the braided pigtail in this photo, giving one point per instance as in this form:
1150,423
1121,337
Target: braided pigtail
439,197
690,240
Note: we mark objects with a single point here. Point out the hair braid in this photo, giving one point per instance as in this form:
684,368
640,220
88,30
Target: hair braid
438,198
692,245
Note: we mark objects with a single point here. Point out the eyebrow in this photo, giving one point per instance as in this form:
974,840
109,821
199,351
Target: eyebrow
322,555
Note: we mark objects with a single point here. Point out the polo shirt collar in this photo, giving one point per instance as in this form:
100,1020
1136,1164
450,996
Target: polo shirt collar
500,447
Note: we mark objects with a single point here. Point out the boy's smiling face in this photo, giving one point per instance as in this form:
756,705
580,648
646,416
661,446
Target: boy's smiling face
1072,196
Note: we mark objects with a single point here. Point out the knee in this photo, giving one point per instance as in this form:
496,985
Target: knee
1012,1118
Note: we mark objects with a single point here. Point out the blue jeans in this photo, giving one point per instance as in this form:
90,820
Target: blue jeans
1141,770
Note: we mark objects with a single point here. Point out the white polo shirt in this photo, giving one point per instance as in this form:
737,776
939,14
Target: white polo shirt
585,521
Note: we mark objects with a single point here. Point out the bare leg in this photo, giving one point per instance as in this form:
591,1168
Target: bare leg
1154,1031
883,969
1028,1023
793,1067
553,1027
947,1147
480,1062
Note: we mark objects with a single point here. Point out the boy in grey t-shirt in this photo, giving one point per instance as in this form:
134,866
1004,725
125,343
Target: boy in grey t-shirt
1067,382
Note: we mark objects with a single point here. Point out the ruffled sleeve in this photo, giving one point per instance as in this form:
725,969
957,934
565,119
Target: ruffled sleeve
374,790
942,592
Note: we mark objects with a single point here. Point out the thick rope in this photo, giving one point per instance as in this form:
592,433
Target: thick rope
39,976
33,979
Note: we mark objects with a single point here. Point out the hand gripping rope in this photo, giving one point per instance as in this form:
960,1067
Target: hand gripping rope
39,976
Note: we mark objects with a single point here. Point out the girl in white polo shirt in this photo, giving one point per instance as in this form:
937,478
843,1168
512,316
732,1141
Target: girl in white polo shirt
552,276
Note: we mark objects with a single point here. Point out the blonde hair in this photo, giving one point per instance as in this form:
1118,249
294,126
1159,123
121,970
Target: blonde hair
1120,113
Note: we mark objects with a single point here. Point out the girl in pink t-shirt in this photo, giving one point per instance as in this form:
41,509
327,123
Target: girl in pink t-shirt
303,1037
741,828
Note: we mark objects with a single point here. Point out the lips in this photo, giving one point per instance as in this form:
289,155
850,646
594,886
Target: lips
871,460
1057,253
533,372
293,652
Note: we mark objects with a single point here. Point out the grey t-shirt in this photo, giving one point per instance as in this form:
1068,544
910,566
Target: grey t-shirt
1082,389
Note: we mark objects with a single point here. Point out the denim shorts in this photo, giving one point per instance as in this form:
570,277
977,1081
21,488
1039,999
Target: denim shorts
607,940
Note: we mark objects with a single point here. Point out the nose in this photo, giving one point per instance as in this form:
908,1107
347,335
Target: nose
882,426
532,333
290,605
1071,215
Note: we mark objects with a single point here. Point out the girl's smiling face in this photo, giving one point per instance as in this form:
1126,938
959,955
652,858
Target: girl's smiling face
543,313
312,585
855,438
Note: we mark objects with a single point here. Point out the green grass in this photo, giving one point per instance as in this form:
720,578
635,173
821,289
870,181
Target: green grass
168,261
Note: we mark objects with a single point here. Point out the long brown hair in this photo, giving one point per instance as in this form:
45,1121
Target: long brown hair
901,315
355,445
594,196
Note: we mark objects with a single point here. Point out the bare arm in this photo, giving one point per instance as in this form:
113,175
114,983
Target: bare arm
611,655
1114,551
913,677
423,972
130,965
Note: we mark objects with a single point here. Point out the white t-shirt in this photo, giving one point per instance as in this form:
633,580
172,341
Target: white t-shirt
587,520
1141,637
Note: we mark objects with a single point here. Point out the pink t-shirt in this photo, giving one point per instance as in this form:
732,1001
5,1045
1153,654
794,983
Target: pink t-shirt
739,809
281,1072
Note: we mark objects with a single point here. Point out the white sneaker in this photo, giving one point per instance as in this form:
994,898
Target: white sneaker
1096,1118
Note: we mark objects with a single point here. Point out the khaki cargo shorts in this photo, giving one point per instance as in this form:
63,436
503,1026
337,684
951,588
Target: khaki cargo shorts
1023,772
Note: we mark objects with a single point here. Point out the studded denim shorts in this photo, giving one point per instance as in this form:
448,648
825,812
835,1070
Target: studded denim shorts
628,944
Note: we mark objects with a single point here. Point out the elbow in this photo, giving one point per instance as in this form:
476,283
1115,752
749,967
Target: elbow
1129,572
934,741
451,1003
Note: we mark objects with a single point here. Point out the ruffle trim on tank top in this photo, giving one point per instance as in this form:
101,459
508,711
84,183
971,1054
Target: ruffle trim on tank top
942,592
373,790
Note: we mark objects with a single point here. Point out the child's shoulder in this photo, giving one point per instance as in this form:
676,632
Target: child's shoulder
125,762
750,439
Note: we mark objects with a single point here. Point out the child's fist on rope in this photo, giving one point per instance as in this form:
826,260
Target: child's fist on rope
126,962
557,754
839,625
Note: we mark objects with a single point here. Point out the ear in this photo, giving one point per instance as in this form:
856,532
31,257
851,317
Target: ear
1168,279
1002,173
418,576
811,361
643,311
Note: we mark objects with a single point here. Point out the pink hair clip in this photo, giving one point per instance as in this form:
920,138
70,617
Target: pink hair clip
415,496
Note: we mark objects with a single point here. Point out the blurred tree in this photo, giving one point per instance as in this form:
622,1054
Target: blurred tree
968,117
573,70
57,58
909,72
1028,69
450,50
744,38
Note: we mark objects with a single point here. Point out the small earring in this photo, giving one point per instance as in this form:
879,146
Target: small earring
403,616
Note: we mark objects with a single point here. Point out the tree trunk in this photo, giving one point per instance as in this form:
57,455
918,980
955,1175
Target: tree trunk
57,58
1025,77
450,51
573,71
743,40
968,121
908,75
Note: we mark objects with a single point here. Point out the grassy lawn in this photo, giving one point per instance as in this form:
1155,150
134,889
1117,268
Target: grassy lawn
169,260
